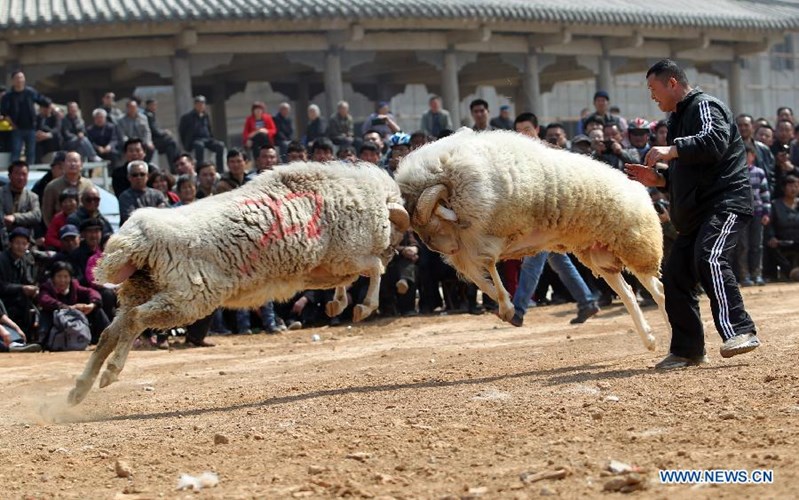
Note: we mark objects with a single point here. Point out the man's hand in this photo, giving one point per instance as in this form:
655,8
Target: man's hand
9,219
410,253
660,154
649,177
84,308
30,290
773,243
299,305
615,148
765,220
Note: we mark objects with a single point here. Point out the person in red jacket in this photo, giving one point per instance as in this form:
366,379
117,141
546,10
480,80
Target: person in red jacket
63,291
259,129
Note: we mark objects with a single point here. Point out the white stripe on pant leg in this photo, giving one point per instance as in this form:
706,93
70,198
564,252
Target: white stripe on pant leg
718,279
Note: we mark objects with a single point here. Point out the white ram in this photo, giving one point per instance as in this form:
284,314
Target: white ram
479,198
302,226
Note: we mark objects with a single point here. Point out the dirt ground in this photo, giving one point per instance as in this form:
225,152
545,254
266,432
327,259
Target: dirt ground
429,407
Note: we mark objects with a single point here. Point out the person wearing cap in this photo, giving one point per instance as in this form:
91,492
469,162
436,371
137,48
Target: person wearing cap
18,287
17,106
638,131
68,201
436,118
196,135
89,209
71,178
400,144
581,144
381,120
48,132
20,205
503,121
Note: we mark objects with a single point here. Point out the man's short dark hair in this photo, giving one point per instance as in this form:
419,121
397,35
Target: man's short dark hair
67,194
131,141
595,118
185,179
784,108
749,148
478,102
665,69
323,143
295,147
554,125
15,72
789,122
420,133
149,101
433,98
236,153
765,126
206,164
526,117
343,151
372,131
445,133
17,164
742,116
661,123
266,147
369,146
183,155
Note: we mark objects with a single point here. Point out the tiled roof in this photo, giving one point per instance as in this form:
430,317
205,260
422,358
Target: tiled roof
739,14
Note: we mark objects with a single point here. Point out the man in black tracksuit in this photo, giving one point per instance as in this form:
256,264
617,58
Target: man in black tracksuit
711,199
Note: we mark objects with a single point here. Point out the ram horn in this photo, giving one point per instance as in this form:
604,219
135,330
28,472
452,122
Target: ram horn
398,216
427,203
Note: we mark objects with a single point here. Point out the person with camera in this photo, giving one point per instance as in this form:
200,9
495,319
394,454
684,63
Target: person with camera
382,121
609,149
711,200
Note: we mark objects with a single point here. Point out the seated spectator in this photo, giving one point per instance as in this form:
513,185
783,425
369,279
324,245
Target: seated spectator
162,138
138,195
316,126
20,205
69,240
581,144
341,128
63,291
73,132
68,201
346,154
71,179
782,233
12,338
398,286
259,129
133,150
105,137
56,171
295,151
322,150
285,128
90,209
237,172
196,134
186,187
164,182
206,179
48,131
18,279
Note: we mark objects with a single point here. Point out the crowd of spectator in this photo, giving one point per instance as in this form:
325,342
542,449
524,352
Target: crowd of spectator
53,234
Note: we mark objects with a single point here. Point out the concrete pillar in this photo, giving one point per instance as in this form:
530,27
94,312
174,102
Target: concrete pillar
604,80
450,90
531,84
736,86
181,83
303,101
219,111
334,86
87,102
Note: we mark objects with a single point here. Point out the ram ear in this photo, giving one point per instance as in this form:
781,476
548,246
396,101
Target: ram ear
398,216
446,213
427,203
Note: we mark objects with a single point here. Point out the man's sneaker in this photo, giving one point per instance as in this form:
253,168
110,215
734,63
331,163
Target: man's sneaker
673,361
517,320
273,329
759,281
584,314
739,344
402,287
747,282
295,325
24,347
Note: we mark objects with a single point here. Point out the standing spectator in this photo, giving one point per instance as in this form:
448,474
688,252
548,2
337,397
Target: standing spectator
381,120
503,121
195,134
346,154
341,127
602,109
113,114
783,136
105,137
316,126
295,151
138,195
419,139
785,113
638,136
63,291
660,137
750,242
236,174
133,150
369,152
17,106
711,199
206,179
70,179
20,204
68,199
90,209
73,131
782,234
5,127
259,128
400,144
479,110
18,279
134,126
436,118
764,158
164,182
284,127
48,131
765,134
615,112
162,138
555,134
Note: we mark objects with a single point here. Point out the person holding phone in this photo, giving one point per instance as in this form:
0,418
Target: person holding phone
382,121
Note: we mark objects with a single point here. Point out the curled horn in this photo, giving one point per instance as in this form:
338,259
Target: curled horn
398,216
427,203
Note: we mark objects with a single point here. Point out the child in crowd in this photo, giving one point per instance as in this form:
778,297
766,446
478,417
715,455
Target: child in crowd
750,243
